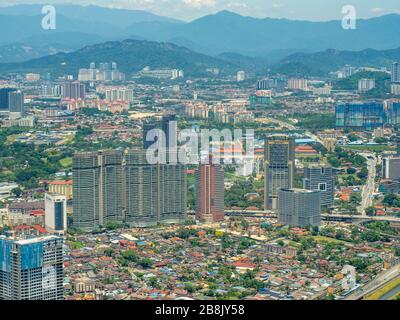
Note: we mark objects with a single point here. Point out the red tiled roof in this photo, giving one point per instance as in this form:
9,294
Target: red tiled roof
39,212
40,229
22,227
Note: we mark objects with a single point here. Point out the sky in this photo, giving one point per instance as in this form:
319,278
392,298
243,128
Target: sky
313,10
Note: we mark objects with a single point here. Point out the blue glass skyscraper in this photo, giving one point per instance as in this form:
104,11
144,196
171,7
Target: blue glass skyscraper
360,116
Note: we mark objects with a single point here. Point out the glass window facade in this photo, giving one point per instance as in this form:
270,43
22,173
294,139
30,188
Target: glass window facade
59,215
363,116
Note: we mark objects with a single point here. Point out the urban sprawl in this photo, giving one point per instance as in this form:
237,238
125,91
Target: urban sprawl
309,210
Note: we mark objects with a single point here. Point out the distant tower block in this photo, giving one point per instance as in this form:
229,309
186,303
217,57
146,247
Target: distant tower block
210,193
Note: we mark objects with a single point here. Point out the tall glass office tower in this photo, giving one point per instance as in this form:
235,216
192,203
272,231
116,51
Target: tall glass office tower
320,178
279,168
360,116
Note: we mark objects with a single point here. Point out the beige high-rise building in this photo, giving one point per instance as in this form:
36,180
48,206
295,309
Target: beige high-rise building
116,186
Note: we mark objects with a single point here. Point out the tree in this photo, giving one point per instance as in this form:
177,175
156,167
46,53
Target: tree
327,231
190,287
281,243
355,198
17,192
153,282
381,140
391,200
351,170
340,234
130,255
112,225
361,264
308,243
334,161
363,173
330,296
370,236
109,252
314,231
244,224
146,263
370,211
352,137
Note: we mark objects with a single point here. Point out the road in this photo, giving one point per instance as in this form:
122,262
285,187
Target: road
327,216
375,284
360,218
370,186
281,123
315,137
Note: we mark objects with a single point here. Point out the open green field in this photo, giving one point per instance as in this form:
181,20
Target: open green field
66,162
11,139
76,245
327,239
234,177
385,289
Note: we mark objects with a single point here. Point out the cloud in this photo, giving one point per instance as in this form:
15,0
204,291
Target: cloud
200,3
237,5
278,5
378,10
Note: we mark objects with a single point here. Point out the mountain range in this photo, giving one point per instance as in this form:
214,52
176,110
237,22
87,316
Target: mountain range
321,63
130,55
133,55
223,33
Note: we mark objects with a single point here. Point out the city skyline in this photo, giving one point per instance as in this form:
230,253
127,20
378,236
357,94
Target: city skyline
229,158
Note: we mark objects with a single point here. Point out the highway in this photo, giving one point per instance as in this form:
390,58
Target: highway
370,186
315,137
281,123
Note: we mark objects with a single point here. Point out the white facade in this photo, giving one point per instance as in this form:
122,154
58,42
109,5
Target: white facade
241,76
246,168
119,94
365,85
297,84
6,189
395,89
55,213
32,77
323,91
349,277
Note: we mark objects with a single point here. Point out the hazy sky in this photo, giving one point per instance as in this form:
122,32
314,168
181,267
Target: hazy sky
292,9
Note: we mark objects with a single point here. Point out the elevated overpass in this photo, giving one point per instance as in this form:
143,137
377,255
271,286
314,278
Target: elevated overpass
326,217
